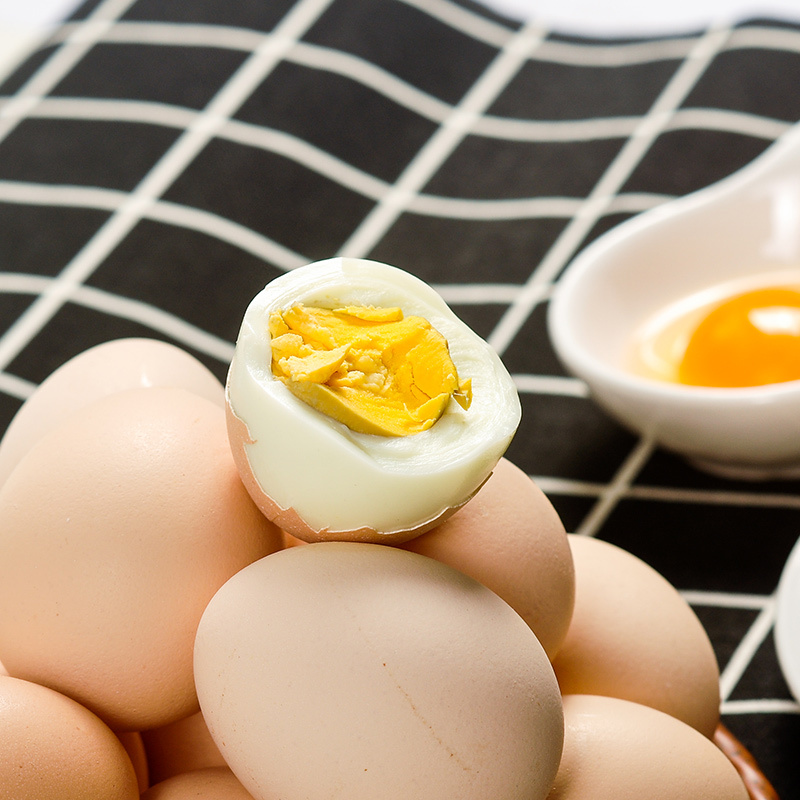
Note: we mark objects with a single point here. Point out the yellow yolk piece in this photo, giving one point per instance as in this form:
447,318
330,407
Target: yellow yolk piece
752,339
372,369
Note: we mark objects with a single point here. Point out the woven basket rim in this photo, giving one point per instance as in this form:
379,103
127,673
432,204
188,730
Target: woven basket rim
755,781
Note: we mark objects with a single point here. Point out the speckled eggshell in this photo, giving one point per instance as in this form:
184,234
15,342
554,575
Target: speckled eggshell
350,670
101,370
633,636
510,538
618,750
116,529
52,748
211,783
181,746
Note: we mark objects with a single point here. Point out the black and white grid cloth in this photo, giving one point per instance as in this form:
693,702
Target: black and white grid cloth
162,160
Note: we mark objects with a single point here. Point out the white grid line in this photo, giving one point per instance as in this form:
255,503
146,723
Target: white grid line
609,184
73,49
159,178
616,489
577,54
111,304
746,649
763,706
400,92
463,20
437,149
666,494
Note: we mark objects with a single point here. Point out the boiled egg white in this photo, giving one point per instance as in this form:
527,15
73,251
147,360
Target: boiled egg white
322,475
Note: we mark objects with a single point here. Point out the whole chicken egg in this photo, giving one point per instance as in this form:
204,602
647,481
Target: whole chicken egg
511,539
620,750
211,783
55,749
134,747
109,367
182,746
633,636
360,406
355,671
116,529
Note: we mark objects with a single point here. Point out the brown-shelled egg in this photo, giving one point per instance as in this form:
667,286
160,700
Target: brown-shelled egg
354,670
116,529
52,747
211,783
633,636
617,749
360,406
106,368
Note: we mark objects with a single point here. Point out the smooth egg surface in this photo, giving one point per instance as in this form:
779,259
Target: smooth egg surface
619,750
181,746
51,747
211,783
634,637
727,336
318,478
134,747
116,529
510,538
360,671
110,367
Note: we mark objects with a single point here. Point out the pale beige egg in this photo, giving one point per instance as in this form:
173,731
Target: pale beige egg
510,538
330,362
116,529
633,636
211,783
181,746
619,750
55,749
355,670
110,367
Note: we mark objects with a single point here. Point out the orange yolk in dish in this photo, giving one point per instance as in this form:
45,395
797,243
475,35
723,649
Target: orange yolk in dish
751,339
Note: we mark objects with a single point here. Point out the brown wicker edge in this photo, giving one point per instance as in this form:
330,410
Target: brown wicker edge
757,784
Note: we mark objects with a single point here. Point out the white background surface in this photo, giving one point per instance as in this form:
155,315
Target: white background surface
22,22
609,16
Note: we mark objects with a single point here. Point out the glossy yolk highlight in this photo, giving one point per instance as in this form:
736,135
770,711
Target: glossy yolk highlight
372,369
752,339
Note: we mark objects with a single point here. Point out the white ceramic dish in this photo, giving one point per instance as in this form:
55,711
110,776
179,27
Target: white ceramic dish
787,622
743,228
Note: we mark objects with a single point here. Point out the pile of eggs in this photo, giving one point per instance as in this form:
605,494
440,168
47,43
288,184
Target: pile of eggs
178,618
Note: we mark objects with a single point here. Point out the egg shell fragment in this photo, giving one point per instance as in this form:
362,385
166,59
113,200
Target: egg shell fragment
109,367
319,480
619,750
359,671
51,747
511,539
116,529
634,637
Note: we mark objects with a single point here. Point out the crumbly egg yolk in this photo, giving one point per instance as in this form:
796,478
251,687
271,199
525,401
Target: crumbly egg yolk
372,369
752,339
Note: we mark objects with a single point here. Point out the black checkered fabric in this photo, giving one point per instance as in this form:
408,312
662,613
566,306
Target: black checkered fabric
160,162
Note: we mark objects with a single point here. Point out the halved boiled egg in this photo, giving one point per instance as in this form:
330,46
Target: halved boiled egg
360,406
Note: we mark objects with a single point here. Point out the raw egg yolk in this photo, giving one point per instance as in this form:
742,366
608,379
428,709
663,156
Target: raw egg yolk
749,340
372,369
